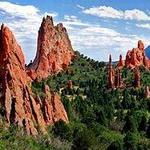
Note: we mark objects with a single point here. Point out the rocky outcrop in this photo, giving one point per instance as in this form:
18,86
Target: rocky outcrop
69,84
53,109
118,79
137,78
147,92
114,75
111,74
20,106
136,57
54,50
121,63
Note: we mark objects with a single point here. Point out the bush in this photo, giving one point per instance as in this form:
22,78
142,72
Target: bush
62,130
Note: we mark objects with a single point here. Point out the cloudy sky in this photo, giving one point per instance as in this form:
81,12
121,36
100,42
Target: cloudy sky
96,28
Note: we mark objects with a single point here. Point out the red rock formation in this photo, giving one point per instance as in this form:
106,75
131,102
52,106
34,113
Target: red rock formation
141,45
136,57
54,52
147,92
21,108
137,78
121,63
53,109
118,79
114,75
69,84
111,74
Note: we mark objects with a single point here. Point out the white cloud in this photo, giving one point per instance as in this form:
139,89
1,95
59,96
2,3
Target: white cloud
70,21
79,6
24,21
136,14
103,11
92,40
71,18
109,12
146,26
98,42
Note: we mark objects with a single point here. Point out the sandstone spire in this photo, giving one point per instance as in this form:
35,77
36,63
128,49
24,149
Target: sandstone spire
120,64
141,45
69,84
136,57
137,78
147,92
54,50
15,96
20,107
110,74
118,79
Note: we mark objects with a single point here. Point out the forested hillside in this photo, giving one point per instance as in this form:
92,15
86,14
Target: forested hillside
99,118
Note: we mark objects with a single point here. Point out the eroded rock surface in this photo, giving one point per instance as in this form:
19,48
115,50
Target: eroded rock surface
20,106
121,63
54,50
136,57
137,78
111,74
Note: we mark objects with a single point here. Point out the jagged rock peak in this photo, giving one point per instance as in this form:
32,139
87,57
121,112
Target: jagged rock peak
2,26
9,45
141,45
110,59
16,96
137,78
111,74
54,51
47,20
120,64
136,57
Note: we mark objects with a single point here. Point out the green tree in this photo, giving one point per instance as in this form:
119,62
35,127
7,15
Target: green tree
130,142
83,139
148,129
117,145
130,124
143,124
62,130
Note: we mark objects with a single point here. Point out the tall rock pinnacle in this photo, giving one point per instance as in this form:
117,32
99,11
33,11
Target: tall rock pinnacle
121,63
137,78
54,50
111,74
136,57
16,97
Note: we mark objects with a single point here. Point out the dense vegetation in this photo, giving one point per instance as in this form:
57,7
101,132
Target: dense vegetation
117,119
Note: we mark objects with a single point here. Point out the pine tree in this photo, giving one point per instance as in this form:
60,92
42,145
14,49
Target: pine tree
143,124
129,142
130,124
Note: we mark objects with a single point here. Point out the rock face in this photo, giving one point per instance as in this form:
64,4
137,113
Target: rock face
121,63
53,109
137,78
111,74
118,79
114,75
136,57
54,50
147,92
16,97
69,84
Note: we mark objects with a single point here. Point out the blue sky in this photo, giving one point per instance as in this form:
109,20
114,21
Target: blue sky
96,28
